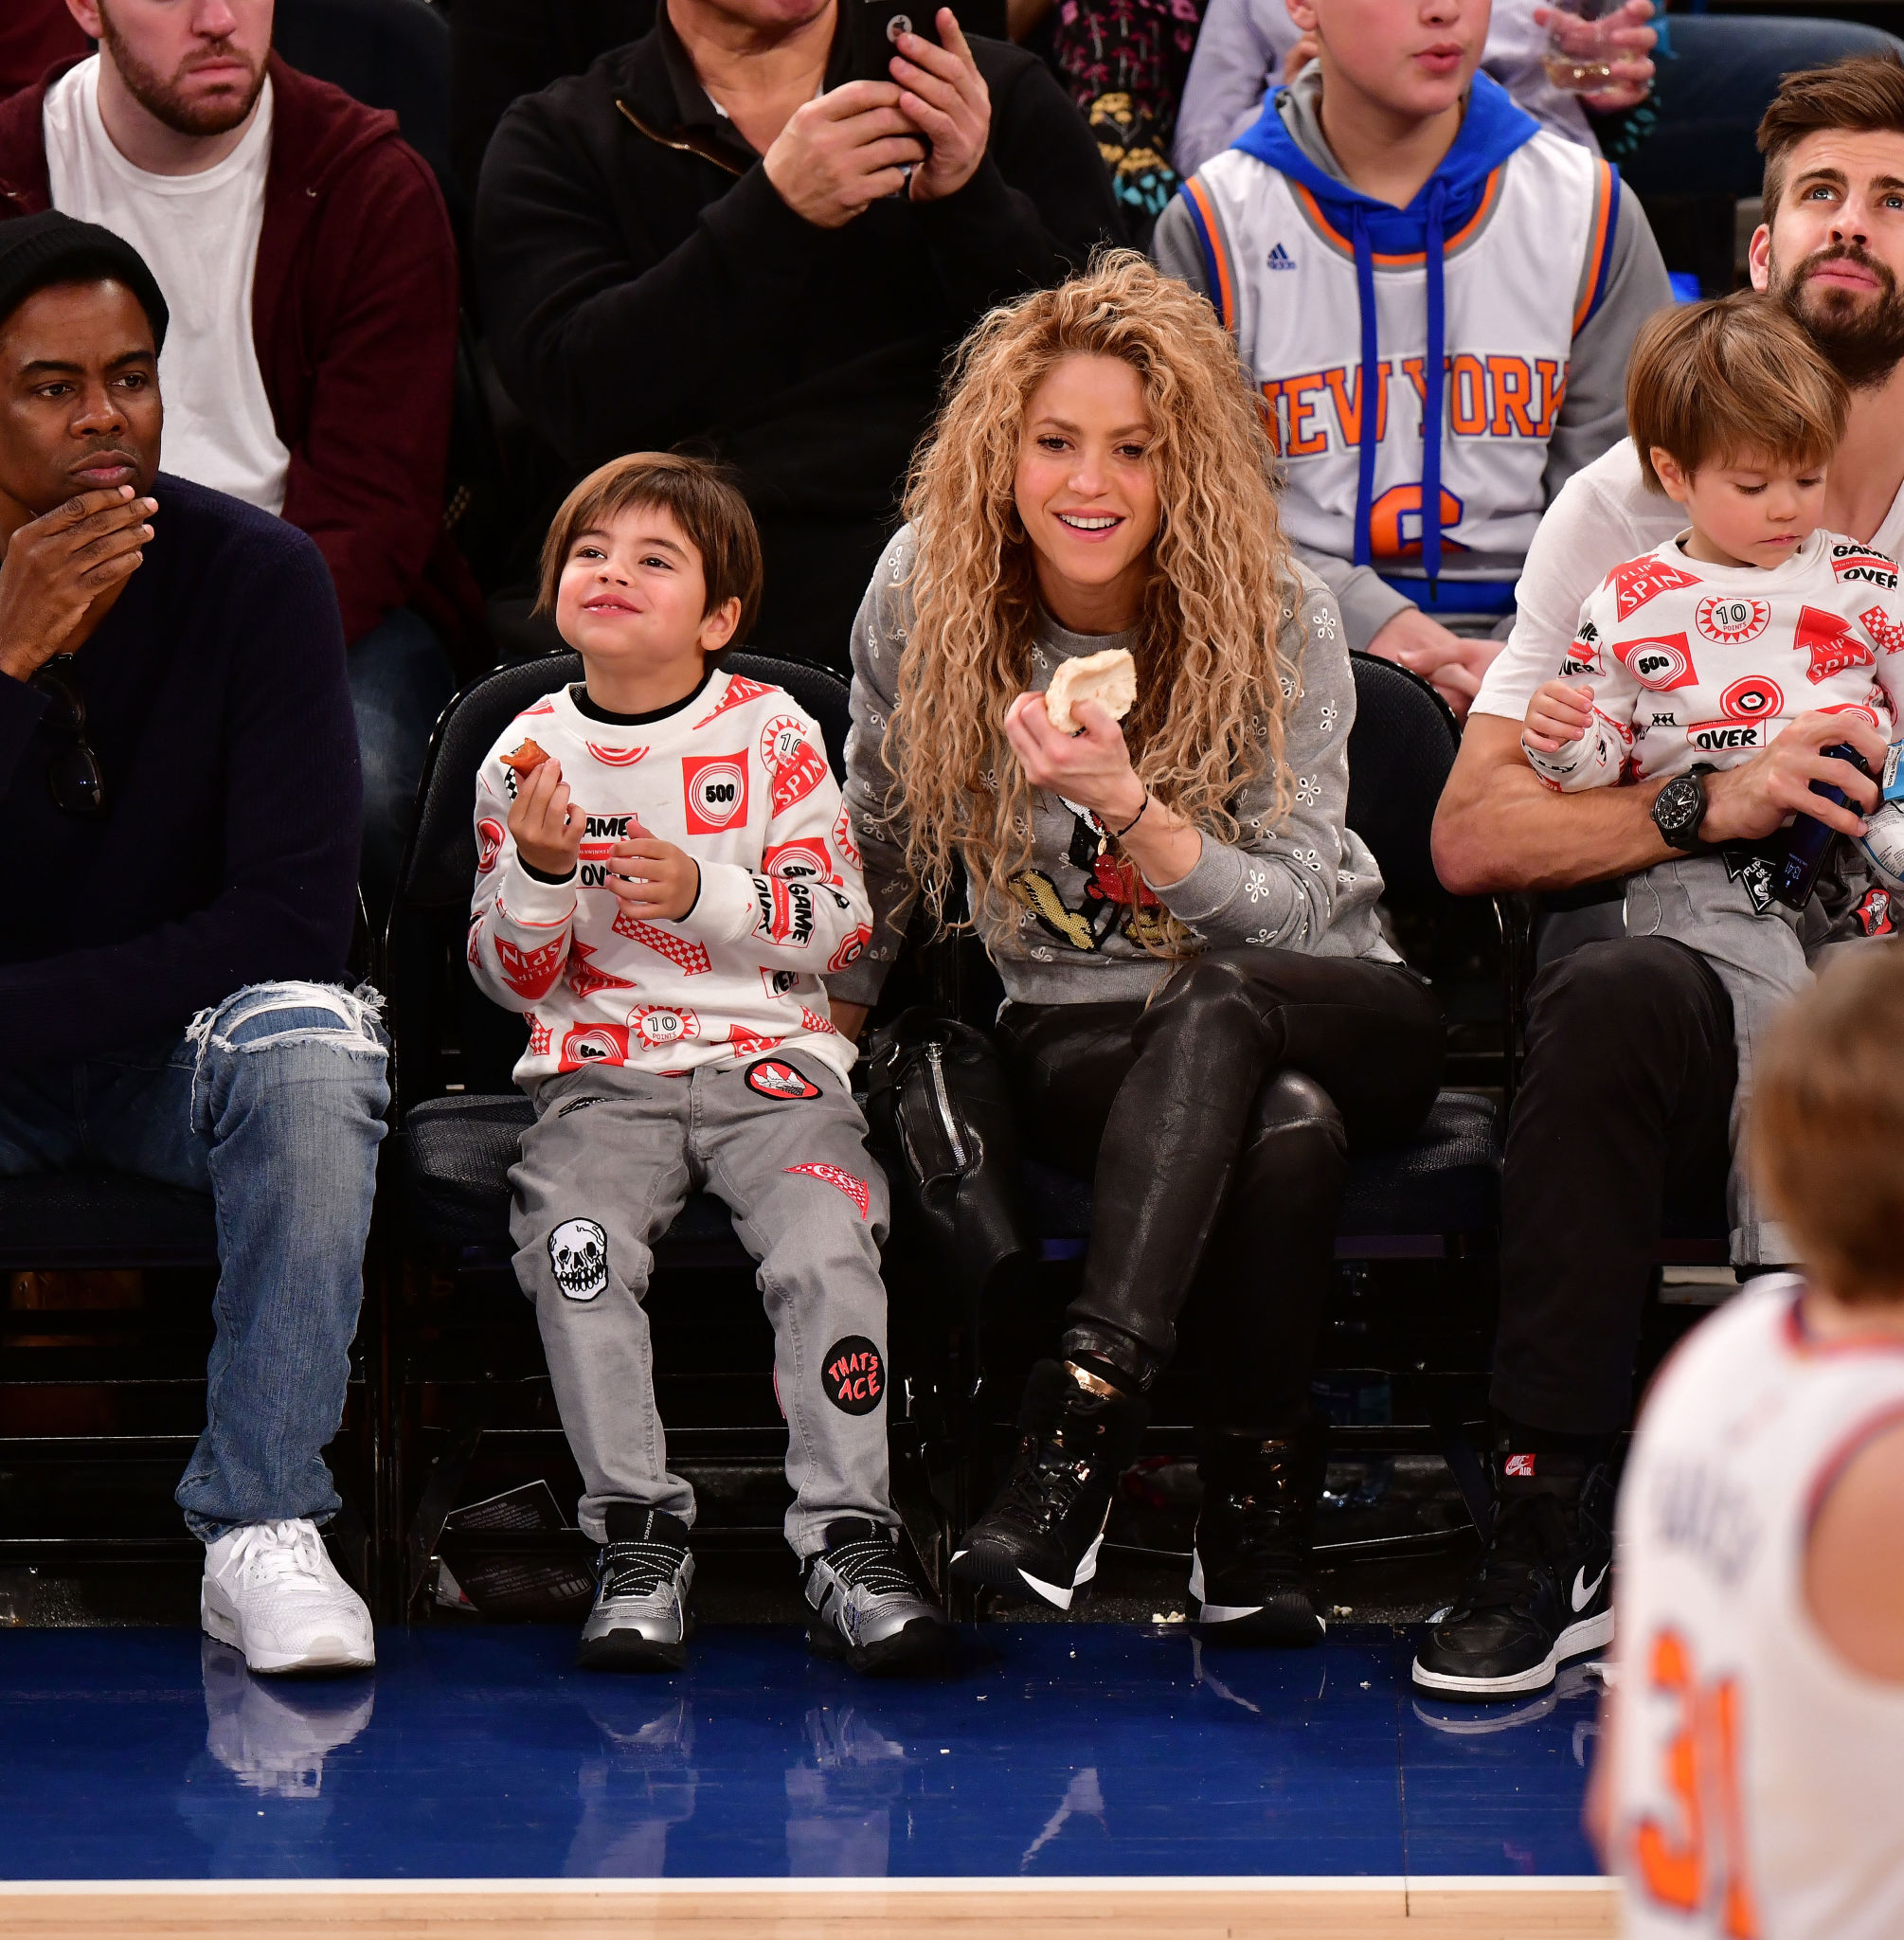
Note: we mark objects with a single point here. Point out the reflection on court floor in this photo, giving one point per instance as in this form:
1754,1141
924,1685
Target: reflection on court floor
1058,1750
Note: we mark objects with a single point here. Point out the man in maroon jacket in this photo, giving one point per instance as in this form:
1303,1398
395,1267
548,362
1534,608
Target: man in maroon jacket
308,261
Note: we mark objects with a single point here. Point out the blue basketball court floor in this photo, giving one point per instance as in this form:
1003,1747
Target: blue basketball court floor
1126,1756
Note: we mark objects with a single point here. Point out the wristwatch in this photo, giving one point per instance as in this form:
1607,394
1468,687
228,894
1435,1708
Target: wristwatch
1678,809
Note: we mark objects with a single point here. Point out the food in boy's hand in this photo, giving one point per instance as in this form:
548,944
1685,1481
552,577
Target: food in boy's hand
1108,678
525,759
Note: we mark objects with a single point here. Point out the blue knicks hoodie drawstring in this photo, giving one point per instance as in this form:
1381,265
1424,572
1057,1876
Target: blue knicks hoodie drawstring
1433,375
1370,413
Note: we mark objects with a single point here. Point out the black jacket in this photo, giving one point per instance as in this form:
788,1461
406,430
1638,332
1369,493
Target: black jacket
645,287
216,704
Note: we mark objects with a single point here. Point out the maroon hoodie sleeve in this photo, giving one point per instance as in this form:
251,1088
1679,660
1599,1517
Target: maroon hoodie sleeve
33,35
367,342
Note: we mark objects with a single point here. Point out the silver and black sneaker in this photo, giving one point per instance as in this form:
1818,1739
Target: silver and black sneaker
640,1621
869,1605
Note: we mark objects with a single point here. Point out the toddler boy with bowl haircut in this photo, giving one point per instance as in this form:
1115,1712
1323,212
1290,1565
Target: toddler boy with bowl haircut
1697,655
664,870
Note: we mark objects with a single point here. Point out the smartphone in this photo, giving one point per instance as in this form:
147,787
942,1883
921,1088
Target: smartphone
1808,842
876,27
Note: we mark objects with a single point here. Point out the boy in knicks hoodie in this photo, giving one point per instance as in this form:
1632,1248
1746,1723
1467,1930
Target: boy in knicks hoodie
664,868
1394,228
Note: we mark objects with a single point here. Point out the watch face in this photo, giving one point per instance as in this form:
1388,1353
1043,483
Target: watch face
1678,806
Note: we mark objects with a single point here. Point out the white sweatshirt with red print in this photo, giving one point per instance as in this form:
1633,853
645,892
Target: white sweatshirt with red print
1690,662
737,776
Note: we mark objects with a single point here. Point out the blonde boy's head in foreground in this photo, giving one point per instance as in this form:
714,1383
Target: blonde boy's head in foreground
1827,1130
1735,415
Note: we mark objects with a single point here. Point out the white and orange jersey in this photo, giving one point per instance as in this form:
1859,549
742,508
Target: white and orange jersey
1521,277
1690,662
737,776
1757,1778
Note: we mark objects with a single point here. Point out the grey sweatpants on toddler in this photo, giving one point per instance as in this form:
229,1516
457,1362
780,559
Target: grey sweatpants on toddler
610,1160
1757,947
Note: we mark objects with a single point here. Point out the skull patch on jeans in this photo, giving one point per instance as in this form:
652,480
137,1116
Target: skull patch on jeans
578,1250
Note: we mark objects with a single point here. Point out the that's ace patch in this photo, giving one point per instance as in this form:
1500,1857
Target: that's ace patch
854,1373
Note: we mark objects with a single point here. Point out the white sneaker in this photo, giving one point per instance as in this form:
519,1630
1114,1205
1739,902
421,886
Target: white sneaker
272,1592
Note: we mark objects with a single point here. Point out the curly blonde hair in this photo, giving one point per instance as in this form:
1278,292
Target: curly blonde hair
1209,693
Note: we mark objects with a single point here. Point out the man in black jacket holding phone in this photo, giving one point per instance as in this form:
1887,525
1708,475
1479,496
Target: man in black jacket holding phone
716,237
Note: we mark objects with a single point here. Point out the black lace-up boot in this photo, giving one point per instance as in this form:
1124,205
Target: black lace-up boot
1249,1571
1040,1538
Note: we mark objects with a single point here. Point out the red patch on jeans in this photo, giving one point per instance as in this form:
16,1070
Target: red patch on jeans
1519,1464
854,1189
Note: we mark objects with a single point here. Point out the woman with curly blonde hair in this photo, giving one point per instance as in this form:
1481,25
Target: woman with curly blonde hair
1201,1011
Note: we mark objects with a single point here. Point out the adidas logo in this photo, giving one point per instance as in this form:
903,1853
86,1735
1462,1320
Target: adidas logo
1279,258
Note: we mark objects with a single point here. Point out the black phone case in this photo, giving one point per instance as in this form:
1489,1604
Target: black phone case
1808,842
876,24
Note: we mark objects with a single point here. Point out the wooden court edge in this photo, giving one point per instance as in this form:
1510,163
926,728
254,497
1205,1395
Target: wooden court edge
1483,1907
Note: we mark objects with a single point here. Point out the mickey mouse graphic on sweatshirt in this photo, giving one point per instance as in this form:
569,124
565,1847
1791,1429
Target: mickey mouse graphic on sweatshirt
737,776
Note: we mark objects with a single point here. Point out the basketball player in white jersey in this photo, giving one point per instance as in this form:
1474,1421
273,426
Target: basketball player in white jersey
1601,1149
1749,1785
1395,231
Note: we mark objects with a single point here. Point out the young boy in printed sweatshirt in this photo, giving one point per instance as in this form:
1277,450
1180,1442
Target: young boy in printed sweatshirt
664,870
1695,655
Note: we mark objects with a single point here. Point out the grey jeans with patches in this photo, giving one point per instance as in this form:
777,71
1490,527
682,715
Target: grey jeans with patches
610,1160
1763,954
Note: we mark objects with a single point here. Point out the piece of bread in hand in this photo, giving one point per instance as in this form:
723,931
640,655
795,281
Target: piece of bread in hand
1109,678
525,759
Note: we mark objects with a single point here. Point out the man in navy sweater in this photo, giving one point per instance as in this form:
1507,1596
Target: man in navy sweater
180,792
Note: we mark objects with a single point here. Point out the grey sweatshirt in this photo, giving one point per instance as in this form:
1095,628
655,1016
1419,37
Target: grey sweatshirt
1305,883
1592,417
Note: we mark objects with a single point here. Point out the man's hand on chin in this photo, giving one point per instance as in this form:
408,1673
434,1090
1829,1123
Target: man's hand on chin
57,566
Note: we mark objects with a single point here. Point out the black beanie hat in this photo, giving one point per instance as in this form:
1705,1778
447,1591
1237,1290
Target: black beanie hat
38,251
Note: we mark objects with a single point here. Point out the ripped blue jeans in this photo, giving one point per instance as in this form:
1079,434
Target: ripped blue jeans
273,1103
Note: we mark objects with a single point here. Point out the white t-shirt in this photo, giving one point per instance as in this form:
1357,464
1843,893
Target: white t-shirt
199,235
1602,515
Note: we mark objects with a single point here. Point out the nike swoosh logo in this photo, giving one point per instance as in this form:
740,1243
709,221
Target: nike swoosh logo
1584,1592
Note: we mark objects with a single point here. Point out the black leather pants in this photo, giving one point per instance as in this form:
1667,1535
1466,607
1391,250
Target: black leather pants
1217,1123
